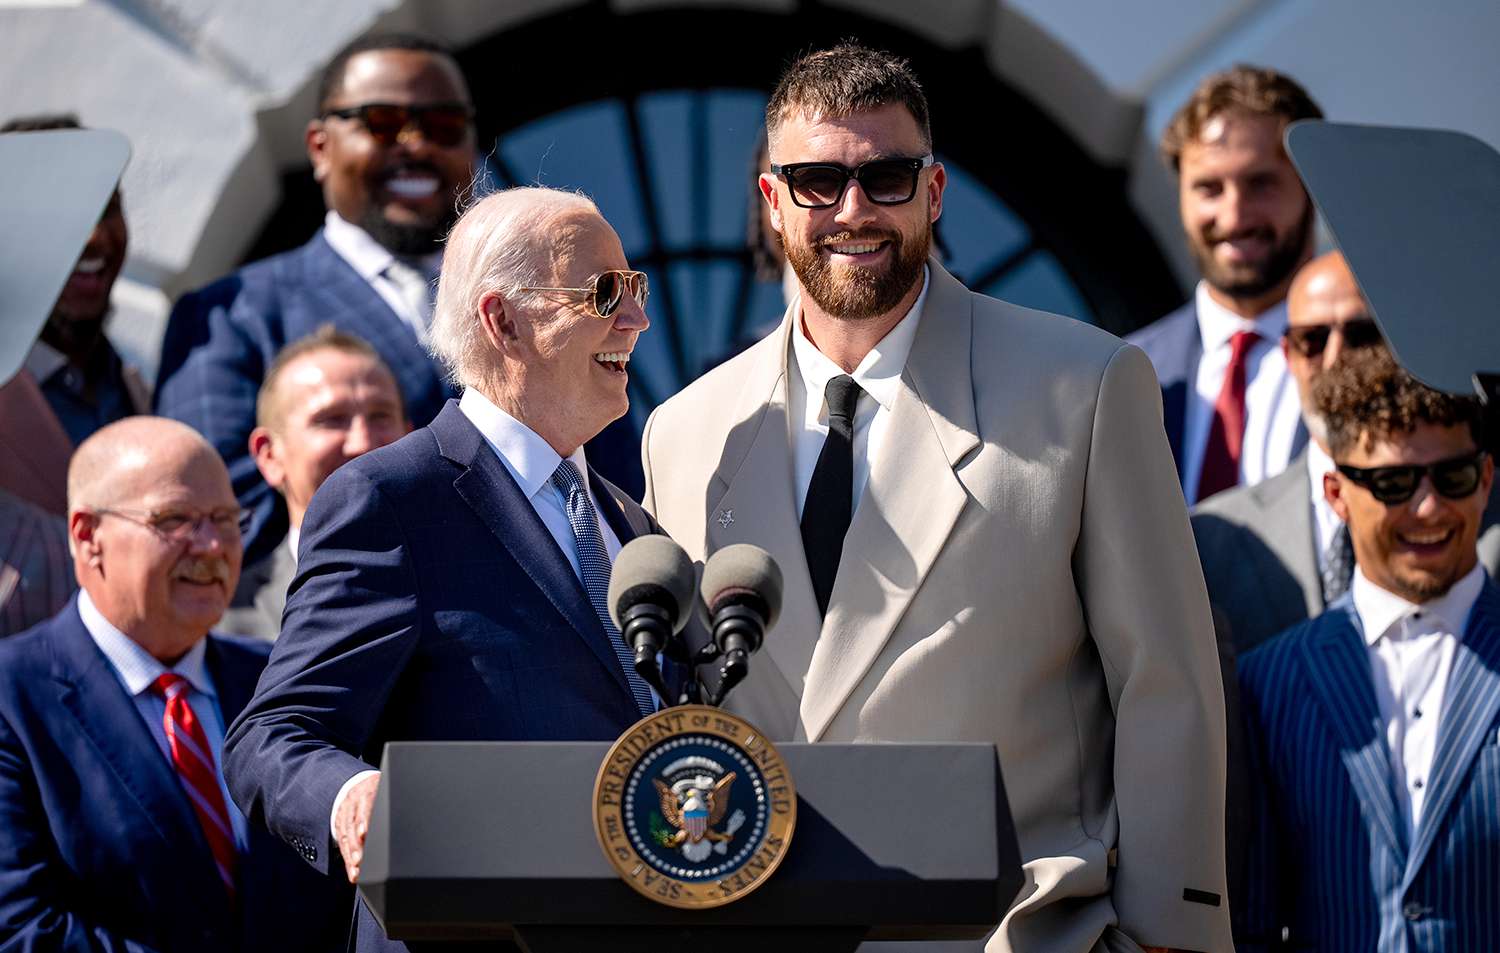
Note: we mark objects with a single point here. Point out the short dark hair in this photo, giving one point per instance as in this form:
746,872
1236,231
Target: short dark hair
844,80
1249,90
1367,395
325,338
42,122
333,73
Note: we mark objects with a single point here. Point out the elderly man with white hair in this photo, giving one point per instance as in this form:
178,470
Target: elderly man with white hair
450,586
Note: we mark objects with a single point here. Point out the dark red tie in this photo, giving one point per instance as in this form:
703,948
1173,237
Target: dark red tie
195,768
1221,458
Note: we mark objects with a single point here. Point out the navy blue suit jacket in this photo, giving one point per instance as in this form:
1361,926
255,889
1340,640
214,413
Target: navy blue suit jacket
430,603
220,340
99,846
1331,860
1175,347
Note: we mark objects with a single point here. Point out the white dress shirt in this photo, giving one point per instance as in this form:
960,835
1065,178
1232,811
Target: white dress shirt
137,670
1325,521
1411,650
530,461
370,260
879,380
1273,412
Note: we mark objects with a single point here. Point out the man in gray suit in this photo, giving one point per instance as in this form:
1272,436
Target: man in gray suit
1274,553
1229,407
326,399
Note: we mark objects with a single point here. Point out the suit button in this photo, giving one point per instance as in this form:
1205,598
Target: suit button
1414,910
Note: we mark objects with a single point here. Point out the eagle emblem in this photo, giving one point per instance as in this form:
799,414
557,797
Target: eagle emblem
693,805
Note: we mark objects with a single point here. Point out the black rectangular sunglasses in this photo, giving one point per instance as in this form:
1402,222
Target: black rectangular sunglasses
1310,340
442,124
1454,478
822,184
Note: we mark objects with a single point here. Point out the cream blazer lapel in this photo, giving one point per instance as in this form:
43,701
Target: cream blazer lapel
910,504
756,504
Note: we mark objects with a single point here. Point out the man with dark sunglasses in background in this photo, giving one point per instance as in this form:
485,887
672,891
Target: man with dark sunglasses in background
392,147
1275,553
1373,726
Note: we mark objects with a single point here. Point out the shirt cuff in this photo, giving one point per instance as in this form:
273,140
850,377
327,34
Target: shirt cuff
339,799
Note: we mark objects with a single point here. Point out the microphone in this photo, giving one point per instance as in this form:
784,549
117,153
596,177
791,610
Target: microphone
650,600
742,593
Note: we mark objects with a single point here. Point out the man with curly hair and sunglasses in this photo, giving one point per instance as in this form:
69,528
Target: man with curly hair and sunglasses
1373,727
392,148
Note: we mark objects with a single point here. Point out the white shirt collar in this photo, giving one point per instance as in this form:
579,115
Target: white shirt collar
293,537
879,374
530,459
44,360
1217,324
364,254
1380,609
134,666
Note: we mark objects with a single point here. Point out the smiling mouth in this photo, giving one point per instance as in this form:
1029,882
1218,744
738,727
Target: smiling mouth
613,361
1428,542
412,185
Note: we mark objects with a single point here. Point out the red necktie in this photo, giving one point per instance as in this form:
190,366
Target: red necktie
1221,458
195,768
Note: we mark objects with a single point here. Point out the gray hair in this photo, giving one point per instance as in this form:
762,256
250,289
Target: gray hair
499,245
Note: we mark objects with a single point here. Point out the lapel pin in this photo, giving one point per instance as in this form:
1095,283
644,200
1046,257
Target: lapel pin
724,518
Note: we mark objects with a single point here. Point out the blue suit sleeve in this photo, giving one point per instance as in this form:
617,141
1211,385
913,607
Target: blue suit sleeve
350,626
213,359
34,915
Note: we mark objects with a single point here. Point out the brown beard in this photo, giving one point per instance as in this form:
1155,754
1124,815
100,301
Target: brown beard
1254,280
858,293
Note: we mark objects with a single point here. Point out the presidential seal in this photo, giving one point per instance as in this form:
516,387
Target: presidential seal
694,807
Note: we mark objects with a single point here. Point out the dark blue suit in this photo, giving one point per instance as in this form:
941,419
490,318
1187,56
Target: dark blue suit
430,602
99,847
220,340
1331,860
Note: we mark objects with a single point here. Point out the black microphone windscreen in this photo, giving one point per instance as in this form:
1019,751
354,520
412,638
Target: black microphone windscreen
652,569
742,570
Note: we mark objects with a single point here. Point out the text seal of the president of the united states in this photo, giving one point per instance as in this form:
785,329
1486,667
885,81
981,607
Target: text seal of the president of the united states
694,807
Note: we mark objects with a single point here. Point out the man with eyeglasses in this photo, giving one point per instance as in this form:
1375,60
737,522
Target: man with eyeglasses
1373,727
392,147
116,830
978,524
452,585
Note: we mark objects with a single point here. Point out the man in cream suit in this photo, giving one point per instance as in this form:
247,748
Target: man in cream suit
978,519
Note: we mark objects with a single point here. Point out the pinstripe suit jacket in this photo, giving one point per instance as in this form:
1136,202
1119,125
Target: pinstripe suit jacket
1331,861
220,340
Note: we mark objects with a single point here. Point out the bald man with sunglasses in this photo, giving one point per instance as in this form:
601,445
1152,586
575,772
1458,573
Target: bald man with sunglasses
451,586
1275,553
1372,728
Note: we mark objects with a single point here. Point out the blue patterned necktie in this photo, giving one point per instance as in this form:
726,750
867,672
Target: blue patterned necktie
593,562
1338,565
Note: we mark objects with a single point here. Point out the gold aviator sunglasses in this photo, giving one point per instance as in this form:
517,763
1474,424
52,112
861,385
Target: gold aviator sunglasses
609,289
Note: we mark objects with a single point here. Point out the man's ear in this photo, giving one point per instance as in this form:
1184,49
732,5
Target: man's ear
82,537
498,321
767,183
1333,492
316,139
936,183
267,458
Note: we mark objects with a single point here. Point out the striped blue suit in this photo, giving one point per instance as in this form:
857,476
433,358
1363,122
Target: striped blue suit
1330,861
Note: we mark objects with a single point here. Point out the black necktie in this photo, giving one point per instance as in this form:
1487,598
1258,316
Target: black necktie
830,494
